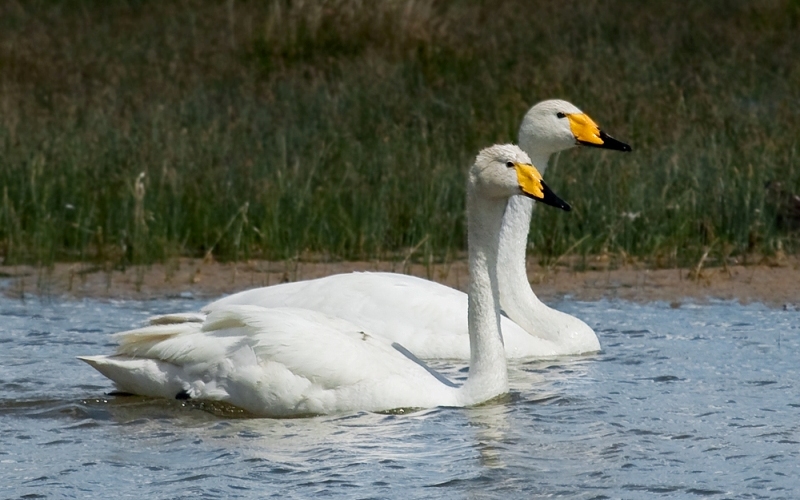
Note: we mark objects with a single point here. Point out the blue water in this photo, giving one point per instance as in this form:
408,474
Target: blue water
699,401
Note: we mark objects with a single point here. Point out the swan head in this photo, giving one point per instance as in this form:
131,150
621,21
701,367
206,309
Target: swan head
505,170
555,125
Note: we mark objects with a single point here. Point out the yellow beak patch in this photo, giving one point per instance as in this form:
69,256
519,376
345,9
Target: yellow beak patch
584,128
530,180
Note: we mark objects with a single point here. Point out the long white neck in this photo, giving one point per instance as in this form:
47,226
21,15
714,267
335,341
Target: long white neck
517,299
488,374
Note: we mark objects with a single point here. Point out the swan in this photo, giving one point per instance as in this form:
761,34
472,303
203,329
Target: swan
548,127
430,319
282,362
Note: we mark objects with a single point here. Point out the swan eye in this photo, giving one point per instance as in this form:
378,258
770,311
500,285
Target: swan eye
561,115
510,164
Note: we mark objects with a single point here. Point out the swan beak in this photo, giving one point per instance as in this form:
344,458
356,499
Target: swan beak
587,133
532,185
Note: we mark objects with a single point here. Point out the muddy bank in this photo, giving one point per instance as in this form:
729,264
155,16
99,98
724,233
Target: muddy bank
774,281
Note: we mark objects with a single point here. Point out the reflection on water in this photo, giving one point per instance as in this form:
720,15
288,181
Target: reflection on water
697,401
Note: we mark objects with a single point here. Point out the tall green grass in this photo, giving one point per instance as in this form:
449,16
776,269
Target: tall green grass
342,128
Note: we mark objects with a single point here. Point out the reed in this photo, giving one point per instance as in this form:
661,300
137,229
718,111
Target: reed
342,128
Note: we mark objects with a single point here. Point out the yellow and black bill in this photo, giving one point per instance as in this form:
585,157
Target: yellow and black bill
533,186
588,133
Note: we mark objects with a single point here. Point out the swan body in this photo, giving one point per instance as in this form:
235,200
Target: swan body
274,362
430,319
283,361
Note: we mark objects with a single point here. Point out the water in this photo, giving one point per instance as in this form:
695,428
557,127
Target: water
700,401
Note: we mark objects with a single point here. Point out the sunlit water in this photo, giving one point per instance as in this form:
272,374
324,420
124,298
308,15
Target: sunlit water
699,401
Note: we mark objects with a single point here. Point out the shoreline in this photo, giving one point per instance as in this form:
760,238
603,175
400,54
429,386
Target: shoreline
773,281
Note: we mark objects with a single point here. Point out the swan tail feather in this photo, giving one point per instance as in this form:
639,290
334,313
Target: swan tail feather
139,342
145,377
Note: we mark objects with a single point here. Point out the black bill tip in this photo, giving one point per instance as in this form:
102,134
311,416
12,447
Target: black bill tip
552,199
608,143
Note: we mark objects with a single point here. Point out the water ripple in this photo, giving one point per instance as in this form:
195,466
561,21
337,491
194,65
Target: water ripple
692,402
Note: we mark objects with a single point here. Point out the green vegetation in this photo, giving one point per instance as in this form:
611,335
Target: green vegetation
343,128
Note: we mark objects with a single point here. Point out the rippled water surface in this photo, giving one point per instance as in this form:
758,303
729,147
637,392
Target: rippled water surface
699,401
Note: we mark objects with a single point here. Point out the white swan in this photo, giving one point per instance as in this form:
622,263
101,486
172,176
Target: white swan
290,362
430,319
547,128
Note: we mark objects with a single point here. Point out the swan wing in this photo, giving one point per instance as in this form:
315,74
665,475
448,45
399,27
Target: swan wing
275,362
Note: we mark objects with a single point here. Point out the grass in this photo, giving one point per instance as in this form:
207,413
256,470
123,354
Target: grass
138,131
